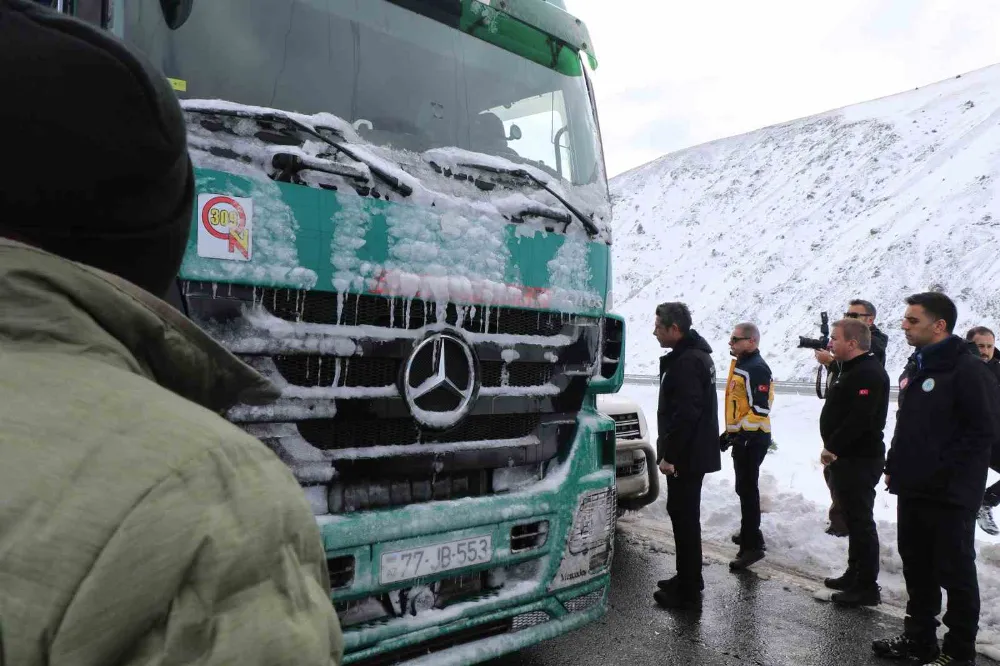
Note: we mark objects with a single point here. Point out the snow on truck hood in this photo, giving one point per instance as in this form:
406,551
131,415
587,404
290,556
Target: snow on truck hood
448,236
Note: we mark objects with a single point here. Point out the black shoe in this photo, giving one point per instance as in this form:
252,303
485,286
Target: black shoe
858,595
676,598
907,647
841,583
672,582
745,558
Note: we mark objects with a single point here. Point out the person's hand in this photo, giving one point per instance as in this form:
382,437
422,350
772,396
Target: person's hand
823,356
827,457
724,441
666,468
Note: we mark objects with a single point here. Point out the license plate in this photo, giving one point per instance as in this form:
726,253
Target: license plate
427,560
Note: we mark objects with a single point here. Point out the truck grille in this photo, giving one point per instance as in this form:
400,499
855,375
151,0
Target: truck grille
321,307
343,421
627,426
354,430
316,370
631,467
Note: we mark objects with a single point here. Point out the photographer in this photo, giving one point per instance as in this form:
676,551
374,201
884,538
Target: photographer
864,312
852,425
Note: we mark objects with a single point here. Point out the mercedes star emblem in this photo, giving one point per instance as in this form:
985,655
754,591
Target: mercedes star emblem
440,380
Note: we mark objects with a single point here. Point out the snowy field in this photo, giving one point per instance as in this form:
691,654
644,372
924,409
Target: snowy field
876,200
794,501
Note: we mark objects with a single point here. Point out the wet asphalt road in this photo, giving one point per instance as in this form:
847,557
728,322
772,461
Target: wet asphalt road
760,619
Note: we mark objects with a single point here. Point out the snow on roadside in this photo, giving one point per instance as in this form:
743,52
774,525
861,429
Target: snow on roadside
794,501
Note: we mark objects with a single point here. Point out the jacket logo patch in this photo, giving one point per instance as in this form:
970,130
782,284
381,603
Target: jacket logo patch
928,385
863,392
903,382
762,387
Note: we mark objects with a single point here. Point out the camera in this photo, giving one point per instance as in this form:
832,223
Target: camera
823,340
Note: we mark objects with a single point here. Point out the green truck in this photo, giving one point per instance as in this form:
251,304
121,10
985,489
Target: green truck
403,220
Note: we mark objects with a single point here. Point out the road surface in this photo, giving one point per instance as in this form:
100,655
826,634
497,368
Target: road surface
763,617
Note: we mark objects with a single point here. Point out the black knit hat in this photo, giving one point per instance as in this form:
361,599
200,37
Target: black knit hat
97,168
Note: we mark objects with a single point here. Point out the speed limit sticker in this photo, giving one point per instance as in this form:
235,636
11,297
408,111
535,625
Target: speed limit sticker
225,227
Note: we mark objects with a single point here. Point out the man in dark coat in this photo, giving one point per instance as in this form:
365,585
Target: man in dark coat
984,342
864,312
852,425
687,444
946,426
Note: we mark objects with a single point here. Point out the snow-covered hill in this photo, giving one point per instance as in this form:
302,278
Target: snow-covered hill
876,200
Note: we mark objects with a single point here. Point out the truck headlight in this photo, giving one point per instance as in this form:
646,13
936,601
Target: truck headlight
643,429
590,546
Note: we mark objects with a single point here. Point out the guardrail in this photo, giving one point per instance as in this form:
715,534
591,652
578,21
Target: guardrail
794,388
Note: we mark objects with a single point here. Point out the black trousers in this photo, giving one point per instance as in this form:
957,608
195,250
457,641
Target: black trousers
684,509
836,514
937,545
853,481
747,459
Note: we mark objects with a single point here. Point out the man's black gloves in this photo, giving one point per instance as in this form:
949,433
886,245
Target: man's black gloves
728,439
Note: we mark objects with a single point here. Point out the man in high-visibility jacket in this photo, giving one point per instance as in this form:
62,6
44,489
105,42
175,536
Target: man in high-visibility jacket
749,395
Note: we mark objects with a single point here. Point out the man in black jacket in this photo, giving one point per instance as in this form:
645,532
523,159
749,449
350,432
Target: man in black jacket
852,425
984,342
946,425
865,312
687,444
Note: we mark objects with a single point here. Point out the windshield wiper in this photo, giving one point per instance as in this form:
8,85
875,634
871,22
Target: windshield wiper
278,118
524,174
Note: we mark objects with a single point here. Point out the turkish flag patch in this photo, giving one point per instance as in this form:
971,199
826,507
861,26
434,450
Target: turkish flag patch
863,392
762,387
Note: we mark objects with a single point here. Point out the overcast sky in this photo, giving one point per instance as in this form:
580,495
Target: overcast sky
675,73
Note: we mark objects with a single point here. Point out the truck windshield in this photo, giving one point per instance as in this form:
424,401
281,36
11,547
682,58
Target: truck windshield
404,80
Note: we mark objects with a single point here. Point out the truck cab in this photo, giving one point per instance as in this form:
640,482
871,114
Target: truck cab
403,221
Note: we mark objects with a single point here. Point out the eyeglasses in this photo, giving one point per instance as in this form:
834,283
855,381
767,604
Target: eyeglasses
733,340
857,315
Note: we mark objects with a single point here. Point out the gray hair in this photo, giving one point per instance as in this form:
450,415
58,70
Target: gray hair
854,329
749,330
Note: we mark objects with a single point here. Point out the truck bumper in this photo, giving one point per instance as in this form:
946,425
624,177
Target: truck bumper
492,635
638,490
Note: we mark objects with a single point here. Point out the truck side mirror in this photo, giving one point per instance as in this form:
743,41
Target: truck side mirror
176,12
515,133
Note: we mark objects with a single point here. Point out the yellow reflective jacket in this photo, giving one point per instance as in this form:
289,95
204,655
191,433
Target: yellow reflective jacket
749,395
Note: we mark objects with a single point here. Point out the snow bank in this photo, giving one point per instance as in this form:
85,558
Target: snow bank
795,500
